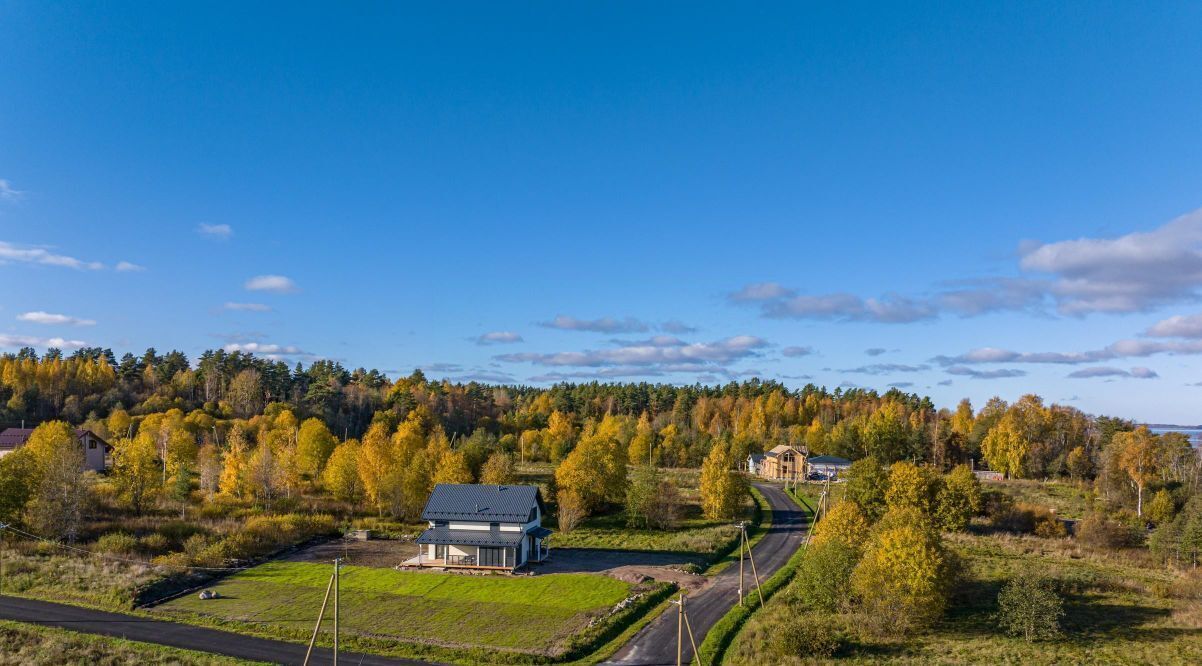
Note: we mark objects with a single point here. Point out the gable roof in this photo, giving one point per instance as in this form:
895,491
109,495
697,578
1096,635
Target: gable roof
782,448
15,438
481,503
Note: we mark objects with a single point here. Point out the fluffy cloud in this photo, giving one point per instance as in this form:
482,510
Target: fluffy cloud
602,325
39,255
127,267
973,373
1131,273
1177,327
272,351
671,355
30,341
761,291
1103,371
39,317
498,338
217,231
885,369
1117,350
246,307
891,309
274,283
678,327
794,352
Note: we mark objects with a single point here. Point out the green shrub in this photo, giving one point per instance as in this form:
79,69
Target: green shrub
1050,527
1030,608
154,544
807,636
116,543
823,580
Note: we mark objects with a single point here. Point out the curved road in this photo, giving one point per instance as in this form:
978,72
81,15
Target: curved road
185,636
655,645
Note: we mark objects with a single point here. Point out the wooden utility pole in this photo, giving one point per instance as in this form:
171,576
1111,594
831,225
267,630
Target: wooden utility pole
320,614
742,543
683,624
337,567
751,556
3,533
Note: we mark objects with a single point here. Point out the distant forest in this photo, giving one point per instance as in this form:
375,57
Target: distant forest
661,423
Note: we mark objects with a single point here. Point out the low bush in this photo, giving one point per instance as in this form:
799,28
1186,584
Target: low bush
1023,518
154,544
824,576
1029,607
116,543
808,636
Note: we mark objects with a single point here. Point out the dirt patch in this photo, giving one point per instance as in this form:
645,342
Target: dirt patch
381,553
639,574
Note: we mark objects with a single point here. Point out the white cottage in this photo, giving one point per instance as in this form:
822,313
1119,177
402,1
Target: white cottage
483,527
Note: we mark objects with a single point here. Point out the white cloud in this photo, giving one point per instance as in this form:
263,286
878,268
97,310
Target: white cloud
602,325
794,352
885,369
39,255
677,326
1117,350
127,267
761,291
1177,327
1135,272
271,351
498,338
217,231
1131,273
682,357
30,341
274,283
247,307
39,317
973,373
7,191
1103,371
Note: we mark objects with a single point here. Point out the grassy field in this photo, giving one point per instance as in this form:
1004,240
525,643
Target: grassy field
695,534
1066,499
25,644
1120,608
536,614
47,574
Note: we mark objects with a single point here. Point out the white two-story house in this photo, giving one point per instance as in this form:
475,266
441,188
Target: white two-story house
483,527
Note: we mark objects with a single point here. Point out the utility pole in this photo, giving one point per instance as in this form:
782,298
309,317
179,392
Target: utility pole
3,533
320,614
751,556
337,566
682,623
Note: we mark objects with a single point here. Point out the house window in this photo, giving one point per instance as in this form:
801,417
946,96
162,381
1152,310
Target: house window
492,557
91,443
494,526
441,523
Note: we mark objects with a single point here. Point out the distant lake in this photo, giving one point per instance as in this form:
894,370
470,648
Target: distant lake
1194,433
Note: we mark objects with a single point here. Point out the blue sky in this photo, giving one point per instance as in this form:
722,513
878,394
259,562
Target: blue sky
965,201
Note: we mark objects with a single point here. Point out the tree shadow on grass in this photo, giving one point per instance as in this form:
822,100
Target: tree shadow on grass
1085,615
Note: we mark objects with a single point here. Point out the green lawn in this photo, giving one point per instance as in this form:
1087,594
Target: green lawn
537,614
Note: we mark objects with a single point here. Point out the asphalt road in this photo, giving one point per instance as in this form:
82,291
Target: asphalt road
177,635
655,645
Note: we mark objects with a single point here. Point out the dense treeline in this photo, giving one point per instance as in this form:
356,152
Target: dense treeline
254,428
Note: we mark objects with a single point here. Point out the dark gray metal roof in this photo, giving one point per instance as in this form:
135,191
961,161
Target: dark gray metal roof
481,503
539,533
757,457
487,538
15,438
